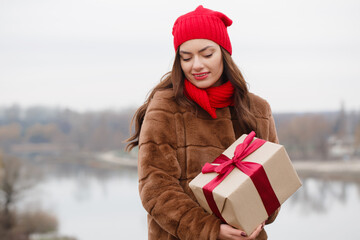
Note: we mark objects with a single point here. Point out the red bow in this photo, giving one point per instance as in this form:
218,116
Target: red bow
254,170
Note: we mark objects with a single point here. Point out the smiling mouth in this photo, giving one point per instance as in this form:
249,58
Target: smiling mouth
201,76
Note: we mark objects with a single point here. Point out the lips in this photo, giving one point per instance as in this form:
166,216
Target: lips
201,76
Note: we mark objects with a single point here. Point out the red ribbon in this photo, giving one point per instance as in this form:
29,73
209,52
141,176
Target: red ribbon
254,170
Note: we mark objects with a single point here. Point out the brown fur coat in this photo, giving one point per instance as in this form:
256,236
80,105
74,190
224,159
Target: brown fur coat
174,144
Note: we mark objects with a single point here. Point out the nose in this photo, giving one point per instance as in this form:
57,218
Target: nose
198,64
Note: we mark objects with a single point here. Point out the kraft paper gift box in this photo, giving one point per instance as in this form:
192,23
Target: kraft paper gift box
245,200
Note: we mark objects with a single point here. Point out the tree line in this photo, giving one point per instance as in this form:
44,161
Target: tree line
322,135
67,129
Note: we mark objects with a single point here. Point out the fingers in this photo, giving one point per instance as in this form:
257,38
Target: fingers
239,233
227,232
236,232
257,231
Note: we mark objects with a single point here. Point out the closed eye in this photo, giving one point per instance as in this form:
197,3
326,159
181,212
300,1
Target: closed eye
207,56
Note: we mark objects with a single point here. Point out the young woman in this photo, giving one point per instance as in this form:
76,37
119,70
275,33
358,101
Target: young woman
197,111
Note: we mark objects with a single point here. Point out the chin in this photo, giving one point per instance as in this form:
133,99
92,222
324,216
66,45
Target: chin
202,84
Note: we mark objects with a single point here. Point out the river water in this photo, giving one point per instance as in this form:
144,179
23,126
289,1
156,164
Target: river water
107,206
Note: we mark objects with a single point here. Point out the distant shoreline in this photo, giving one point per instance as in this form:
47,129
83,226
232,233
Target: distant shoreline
339,169
123,161
334,169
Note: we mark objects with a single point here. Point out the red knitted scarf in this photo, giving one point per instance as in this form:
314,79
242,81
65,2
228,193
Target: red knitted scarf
210,98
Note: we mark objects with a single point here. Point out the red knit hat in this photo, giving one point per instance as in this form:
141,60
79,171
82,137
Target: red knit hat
202,23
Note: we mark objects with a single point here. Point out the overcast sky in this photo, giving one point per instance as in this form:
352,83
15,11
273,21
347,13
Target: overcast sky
101,54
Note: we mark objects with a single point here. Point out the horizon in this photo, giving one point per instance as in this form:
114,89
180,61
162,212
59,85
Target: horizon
130,108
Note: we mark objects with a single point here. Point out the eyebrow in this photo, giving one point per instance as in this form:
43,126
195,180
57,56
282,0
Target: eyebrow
201,50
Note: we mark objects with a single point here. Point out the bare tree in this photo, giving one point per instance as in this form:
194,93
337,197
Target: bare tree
14,182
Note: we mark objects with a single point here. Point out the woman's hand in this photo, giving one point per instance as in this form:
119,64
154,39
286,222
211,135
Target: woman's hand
227,232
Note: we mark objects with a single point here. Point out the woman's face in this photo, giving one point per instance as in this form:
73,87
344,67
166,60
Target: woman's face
202,63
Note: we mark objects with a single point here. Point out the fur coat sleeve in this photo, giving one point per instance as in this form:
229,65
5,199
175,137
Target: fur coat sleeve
159,172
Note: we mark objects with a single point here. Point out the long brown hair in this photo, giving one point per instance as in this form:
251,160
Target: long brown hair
175,80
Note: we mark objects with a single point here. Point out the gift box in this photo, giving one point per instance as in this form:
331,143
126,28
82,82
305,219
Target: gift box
247,183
